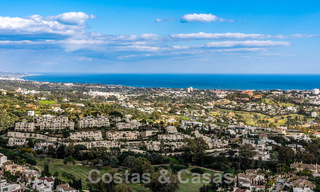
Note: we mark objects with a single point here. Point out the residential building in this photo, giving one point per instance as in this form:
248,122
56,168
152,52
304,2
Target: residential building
96,144
128,125
125,135
148,133
54,123
315,91
31,113
65,188
29,174
303,184
91,122
24,126
31,135
89,135
171,130
17,141
314,168
43,183
43,146
6,187
13,168
3,159
314,114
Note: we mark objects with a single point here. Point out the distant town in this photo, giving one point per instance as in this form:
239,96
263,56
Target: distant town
13,76
53,134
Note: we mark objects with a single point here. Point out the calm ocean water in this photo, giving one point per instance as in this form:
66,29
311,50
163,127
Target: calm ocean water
200,81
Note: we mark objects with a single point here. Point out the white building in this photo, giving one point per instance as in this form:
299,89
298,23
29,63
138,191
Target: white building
171,130
129,125
90,135
17,141
3,92
6,187
24,126
98,144
32,135
65,188
44,184
54,123
315,91
314,114
31,113
3,159
126,135
90,122
190,89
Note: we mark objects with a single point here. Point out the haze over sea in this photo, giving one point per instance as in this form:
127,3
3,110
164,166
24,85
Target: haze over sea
199,81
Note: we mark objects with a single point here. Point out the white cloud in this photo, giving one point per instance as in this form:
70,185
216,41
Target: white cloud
16,42
145,36
199,18
69,35
241,50
202,35
296,36
158,20
63,24
85,59
246,44
72,18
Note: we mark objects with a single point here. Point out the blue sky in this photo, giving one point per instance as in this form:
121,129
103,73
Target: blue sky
119,36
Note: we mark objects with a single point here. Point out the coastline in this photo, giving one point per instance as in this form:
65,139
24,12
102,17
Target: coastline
28,75
17,77
182,81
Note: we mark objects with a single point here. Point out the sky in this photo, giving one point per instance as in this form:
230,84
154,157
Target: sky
146,36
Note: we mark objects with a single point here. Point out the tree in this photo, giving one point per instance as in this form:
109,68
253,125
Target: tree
103,187
77,184
313,148
51,151
30,143
56,174
286,155
156,186
6,120
122,188
46,171
128,161
142,165
114,162
65,161
60,151
156,115
56,183
308,158
194,150
246,153
66,134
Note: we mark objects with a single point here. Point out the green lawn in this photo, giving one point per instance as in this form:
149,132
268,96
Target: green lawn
252,118
47,102
184,187
79,171
57,165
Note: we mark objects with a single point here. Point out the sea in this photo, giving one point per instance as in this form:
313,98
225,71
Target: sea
198,81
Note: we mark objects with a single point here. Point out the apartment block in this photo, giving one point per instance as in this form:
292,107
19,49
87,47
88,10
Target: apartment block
92,122
126,135
24,126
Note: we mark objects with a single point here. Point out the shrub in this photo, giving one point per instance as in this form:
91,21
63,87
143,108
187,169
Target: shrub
197,170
